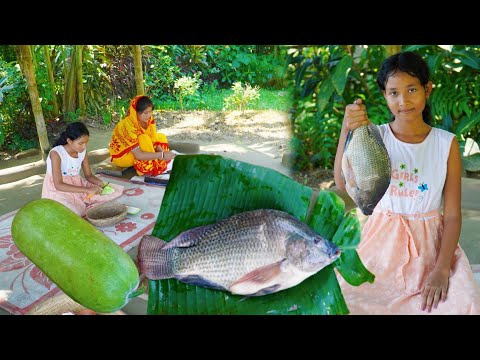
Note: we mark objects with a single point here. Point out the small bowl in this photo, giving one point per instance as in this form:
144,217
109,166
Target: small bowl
107,214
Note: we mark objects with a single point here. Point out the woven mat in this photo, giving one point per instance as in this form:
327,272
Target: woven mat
23,285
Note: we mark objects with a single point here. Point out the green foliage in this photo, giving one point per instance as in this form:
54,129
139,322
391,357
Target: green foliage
327,78
17,123
2,135
19,143
161,71
73,116
106,117
274,100
210,98
98,85
4,87
471,162
242,96
254,64
7,53
455,75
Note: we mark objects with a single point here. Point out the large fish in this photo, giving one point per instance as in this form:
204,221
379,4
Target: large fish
366,167
252,253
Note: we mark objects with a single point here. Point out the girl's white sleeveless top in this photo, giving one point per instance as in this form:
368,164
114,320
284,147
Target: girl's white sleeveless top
418,172
70,166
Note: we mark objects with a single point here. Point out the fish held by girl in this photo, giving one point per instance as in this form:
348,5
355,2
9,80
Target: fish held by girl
366,167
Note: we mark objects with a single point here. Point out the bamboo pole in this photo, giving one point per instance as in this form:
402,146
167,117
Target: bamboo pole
137,61
26,62
51,79
79,78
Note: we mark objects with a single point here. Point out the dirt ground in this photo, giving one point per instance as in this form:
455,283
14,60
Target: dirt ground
269,128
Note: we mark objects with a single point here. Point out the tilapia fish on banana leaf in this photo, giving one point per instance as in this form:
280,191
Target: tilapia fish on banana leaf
366,167
251,253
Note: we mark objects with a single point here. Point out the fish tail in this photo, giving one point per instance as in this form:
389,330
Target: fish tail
154,261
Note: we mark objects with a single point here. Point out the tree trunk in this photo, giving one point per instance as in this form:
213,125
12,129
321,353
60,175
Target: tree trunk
276,51
78,67
137,61
392,49
70,84
65,78
25,57
34,60
51,80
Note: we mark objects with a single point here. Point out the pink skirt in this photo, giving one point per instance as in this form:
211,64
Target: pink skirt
77,201
401,250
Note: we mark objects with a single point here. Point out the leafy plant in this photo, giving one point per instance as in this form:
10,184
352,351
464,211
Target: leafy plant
4,88
327,78
242,96
186,86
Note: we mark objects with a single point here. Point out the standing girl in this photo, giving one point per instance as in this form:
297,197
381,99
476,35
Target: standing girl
410,247
63,182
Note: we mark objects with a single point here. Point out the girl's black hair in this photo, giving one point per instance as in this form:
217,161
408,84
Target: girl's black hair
410,63
143,103
73,132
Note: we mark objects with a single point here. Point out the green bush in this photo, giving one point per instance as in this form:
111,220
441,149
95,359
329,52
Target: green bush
186,86
241,97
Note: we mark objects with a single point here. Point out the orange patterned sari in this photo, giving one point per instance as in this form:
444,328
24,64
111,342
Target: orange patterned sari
128,134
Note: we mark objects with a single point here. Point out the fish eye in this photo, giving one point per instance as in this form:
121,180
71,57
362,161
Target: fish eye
316,241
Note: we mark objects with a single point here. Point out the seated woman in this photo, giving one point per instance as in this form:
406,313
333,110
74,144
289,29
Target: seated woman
135,141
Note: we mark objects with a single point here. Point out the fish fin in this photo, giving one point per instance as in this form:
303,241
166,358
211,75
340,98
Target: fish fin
256,280
264,291
347,140
153,260
199,281
267,290
348,173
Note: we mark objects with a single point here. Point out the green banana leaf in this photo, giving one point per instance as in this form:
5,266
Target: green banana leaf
204,189
471,162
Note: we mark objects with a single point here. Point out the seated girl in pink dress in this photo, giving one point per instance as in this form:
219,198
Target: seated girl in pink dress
407,243
63,182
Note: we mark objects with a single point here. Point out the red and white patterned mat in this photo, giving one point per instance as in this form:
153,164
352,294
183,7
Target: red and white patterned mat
23,285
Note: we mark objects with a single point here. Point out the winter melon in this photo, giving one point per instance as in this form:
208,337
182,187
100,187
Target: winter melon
81,260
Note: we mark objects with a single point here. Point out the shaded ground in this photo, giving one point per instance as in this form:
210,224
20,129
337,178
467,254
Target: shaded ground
316,178
269,128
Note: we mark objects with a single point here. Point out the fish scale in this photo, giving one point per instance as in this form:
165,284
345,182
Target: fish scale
254,253
242,254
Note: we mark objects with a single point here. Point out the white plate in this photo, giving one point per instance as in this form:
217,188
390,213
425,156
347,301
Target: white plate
132,210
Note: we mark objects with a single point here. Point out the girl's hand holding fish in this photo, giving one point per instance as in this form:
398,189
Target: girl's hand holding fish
355,116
